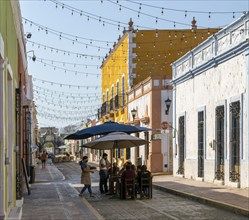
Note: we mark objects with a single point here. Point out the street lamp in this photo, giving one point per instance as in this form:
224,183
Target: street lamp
133,113
33,57
28,35
167,103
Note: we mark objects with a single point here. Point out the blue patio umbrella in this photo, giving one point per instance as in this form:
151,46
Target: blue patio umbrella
105,128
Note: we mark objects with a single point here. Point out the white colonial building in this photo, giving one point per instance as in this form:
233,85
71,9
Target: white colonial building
211,106
147,101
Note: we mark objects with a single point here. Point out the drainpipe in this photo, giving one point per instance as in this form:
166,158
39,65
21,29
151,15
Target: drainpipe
246,154
2,143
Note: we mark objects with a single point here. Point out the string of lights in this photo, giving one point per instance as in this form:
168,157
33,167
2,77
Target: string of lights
71,112
67,100
62,35
67,85
83,95
95,17
172,35
157,19
57,117
64,51
105,20
76,72
53,118
61,104
66,63
162,8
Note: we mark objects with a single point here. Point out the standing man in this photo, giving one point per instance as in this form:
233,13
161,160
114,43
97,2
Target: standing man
85,176
103,164
44,158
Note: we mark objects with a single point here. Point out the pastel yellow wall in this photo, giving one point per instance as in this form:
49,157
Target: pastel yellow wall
8,32
116,66
157,49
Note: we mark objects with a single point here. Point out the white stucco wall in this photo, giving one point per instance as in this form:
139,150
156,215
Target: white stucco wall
142,105
166,136
223,84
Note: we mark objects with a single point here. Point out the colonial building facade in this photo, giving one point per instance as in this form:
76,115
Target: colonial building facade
146,101
17,113
211,105
139,54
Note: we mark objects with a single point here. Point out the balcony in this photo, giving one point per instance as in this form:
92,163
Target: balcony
99,113
116,100
103,109
119,101
111,105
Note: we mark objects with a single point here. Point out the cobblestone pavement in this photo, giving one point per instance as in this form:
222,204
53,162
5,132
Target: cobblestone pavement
53,198
162,206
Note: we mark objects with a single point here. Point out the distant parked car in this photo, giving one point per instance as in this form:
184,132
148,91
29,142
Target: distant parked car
51,155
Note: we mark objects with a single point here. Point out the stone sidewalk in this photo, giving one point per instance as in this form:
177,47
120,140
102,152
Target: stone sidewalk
233,199
52,199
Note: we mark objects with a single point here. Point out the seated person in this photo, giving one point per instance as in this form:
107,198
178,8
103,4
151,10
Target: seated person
112,174
127,174
113,170
123,168
144,174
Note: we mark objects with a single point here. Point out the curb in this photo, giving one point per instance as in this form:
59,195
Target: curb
234,209
161,173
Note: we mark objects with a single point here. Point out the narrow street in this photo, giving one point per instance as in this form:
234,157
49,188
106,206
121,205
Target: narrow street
162,206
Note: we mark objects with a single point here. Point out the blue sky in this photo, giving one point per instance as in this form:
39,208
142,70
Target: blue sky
70,41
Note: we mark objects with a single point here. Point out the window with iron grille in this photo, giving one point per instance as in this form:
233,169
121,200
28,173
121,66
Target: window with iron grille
147,146
112,99
220,135
107,99
235,142
117,96
181,143
123,91
200,144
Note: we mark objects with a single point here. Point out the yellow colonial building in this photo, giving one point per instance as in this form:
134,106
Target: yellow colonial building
137,55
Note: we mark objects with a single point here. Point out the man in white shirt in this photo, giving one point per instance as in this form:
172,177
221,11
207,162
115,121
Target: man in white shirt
103,164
